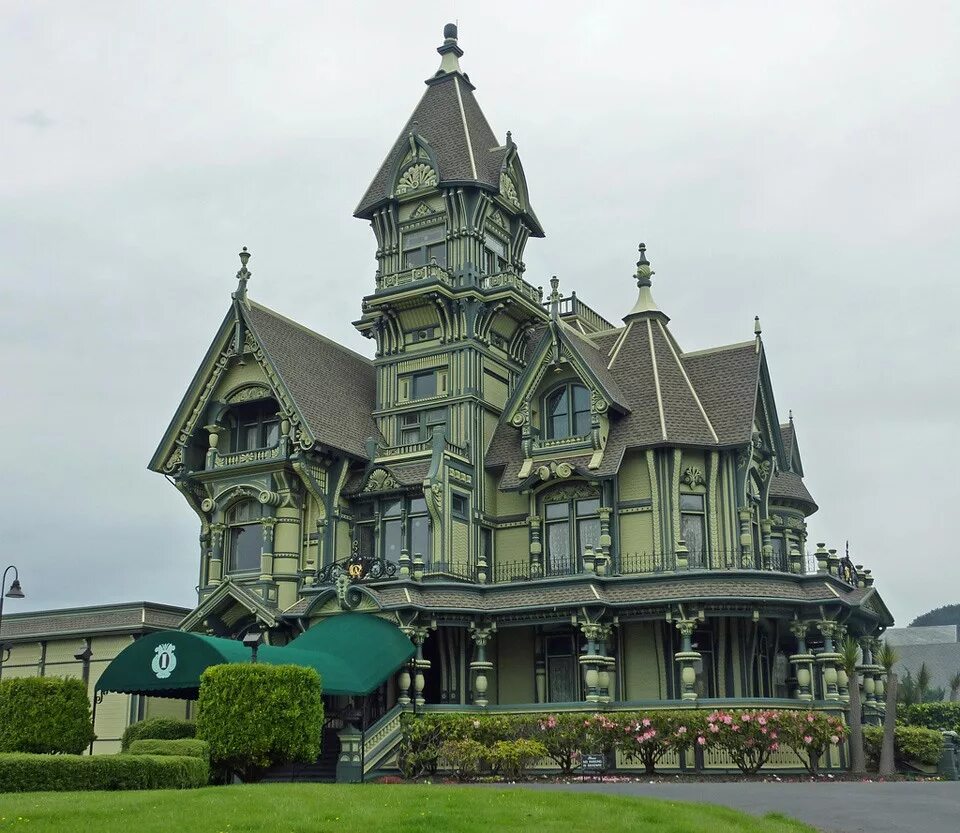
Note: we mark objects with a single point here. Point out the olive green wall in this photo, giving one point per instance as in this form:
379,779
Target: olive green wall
643,672
515,661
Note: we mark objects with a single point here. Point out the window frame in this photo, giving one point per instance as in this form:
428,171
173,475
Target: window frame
375,526
700,558
260,419
567,393
425,248
422,428
233,524
573,520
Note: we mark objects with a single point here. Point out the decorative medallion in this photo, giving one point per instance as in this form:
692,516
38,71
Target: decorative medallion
508,190
692,477
416,176
380,480
164,660
422,210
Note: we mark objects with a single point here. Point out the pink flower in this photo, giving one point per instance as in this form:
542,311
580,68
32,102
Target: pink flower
807,739
682,730
702,740
646,721
745,718
714,728
476,724
773,736
763,730
809,718
774,747
727,719
834,740
762,720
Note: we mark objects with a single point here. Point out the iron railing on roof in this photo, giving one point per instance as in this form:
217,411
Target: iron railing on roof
573,307
444,568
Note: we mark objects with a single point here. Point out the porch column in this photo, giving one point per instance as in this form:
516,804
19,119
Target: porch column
420,664
216,553
766,548
266,551
590,661
480,667
604,664
403,686
827,659
802,662
744,514
843,681
536,549
688,659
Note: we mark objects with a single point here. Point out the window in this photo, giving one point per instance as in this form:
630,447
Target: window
423,385
252,426
566,412
495,255
245,537
420,247
389,513
425,334
779,554
562,669
693,528
570,527
459,505
418,426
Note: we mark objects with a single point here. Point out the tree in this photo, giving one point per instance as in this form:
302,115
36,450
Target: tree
955,687
946,615
850,657
888,658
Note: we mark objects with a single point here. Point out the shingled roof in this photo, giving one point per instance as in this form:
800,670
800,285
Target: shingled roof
449,119
333,387
788,482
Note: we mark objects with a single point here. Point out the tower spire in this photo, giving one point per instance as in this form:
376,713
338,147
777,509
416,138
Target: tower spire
450,53
243,275
645,302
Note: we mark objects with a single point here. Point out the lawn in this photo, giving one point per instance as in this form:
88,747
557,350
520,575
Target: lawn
299,808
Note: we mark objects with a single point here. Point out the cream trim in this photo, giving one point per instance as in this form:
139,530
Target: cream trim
615,350
466,130
656,380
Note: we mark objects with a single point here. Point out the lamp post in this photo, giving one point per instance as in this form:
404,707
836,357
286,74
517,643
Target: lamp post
15,592
253,639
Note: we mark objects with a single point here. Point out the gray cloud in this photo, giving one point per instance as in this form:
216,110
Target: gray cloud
797,164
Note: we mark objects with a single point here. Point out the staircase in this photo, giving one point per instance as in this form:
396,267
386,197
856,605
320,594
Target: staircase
321,771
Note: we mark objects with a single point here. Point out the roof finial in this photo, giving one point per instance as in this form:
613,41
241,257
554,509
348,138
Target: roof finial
243,275
791,414
450,53
757,329
554,298
645,302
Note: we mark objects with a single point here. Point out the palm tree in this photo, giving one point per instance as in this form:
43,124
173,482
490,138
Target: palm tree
888,658
955,687
850,657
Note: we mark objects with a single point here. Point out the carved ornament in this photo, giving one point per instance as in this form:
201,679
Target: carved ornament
416,176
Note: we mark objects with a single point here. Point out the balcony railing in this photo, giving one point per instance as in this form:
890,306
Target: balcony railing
257,455
512,279
416,274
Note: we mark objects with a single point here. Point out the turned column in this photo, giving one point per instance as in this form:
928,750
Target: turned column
745,515
827,659
802,662
266,551
688,659
216,553
480,667
420,665
590,661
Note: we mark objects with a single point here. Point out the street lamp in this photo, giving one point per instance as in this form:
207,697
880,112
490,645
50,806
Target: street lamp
15,592
252,640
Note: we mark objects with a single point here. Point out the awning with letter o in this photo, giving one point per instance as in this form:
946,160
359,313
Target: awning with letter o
353,653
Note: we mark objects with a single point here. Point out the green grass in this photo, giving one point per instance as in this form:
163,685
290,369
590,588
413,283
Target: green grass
299,808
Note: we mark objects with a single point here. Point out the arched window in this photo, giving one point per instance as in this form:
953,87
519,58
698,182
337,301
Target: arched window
245,537
566,412
254,425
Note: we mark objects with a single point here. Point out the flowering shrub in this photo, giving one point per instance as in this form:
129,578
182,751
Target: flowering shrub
649,736
464,758
750,737
810,734
563,736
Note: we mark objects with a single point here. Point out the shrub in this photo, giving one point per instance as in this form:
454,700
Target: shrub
512,758
750,737
20,772
255,716
464,758
187,747
44,715
942,716
564,736
810,734
910,744
158,728
646,737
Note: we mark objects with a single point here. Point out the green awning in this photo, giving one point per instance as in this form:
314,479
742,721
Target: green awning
370,647
352,657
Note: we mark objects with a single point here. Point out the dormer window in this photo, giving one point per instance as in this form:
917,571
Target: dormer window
420,247
254,425
566,412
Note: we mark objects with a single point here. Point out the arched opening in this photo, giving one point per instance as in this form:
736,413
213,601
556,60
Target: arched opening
566,411
253,425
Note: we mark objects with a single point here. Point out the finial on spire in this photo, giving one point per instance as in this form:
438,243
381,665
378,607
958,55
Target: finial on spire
509,139
645,302
791,414
243,275
450,53
757,329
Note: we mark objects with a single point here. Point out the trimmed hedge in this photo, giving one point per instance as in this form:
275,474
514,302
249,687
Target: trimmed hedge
256,716
944,716
910,743
21,772
186,747
158,728
44,715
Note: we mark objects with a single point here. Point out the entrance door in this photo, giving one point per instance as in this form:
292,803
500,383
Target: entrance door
563,673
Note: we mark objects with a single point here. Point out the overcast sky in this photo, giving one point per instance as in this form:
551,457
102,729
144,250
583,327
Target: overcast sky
796,161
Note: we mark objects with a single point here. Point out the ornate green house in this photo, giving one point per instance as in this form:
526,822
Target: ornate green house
554,507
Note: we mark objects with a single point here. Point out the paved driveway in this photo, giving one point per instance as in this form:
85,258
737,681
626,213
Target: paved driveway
900,807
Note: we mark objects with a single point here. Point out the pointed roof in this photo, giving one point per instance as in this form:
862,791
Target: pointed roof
449,120
787,482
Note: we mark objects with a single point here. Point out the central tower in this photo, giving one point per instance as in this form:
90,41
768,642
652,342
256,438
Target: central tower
450,312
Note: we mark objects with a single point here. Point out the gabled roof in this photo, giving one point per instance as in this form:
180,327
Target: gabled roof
788,481
333,387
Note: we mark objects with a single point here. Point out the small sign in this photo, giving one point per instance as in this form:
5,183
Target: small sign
592,763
